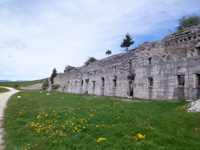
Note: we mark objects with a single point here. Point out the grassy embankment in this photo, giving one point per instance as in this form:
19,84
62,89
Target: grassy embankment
61,121
18,84
3,90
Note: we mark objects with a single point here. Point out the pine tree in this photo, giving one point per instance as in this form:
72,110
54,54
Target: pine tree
53,75
108,52
127,42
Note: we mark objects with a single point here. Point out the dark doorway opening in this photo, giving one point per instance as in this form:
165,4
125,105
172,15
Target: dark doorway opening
130,87
181,80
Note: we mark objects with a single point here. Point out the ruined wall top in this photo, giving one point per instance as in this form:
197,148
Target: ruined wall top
182,36
172,47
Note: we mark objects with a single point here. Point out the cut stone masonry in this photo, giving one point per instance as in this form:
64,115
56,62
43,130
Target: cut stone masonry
166,69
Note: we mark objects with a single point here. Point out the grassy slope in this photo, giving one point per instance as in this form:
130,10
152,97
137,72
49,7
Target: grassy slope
185,29
21,83
62,121
3,90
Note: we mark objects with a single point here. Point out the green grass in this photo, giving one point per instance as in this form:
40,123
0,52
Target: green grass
17,85
189,28
3,90
61,121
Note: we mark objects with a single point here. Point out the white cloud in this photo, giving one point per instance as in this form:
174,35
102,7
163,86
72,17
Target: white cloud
39,35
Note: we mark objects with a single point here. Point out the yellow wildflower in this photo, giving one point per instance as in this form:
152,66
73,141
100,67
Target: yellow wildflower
101,139
141,136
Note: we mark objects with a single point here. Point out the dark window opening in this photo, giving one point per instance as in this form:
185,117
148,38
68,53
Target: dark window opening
198,50
198,80
150,80
194,37
115,81
93,84
87,81
150,60
103,82
82,83
181,79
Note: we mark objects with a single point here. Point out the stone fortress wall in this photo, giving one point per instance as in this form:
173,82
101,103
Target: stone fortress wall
166,69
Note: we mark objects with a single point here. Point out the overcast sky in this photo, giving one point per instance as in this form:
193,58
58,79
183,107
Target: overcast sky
38,35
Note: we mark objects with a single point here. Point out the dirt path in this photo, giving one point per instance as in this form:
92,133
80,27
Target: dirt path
3,101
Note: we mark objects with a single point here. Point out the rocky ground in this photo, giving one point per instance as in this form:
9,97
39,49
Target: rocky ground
194,106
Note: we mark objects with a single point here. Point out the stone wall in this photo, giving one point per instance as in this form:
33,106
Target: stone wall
36,86
166,69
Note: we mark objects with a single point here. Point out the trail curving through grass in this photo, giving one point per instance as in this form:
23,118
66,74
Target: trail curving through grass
4,97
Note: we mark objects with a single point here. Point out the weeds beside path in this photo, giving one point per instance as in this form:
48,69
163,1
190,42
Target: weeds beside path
57,121
3,90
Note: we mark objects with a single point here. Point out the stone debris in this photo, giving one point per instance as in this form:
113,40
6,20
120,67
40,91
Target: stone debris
18,96
194,106
189,100
129,97
127,100
48,94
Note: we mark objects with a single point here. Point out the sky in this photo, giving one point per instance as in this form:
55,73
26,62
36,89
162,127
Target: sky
39,35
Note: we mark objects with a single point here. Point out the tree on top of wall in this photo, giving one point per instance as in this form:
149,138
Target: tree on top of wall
108,52
127,42
90,60
188,21
53,75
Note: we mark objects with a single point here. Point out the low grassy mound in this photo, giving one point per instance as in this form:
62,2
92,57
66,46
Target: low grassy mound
3,90
58,121
17,85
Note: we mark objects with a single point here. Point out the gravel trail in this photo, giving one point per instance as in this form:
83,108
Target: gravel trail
3,101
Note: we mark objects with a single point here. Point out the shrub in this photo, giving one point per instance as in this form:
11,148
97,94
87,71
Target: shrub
16,85
45,85
90,60
56,86
188,21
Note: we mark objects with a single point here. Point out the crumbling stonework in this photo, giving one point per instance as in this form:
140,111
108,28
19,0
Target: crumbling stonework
36,86
166,69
